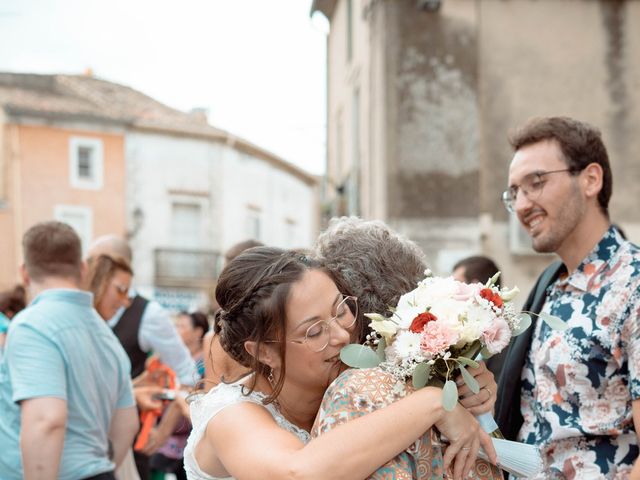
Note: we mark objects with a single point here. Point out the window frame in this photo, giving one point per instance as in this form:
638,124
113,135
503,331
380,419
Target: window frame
86,236
96,145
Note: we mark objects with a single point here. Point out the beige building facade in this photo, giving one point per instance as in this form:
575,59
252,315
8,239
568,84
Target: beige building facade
108,159
422,93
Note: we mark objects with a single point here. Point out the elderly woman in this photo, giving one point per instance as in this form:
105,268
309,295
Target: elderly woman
377,265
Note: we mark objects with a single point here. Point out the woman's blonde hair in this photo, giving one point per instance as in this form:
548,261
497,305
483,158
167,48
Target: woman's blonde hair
101,270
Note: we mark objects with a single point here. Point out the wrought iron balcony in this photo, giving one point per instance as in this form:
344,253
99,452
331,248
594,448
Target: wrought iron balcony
179,267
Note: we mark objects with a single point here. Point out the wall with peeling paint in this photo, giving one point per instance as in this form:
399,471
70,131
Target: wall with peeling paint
444,87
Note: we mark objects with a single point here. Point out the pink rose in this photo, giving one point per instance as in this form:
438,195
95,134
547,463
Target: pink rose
497,335
437,338
466,291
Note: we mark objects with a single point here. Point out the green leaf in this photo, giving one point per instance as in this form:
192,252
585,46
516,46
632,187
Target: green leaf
359,356
449,395
554,322
525,322
376,317
382,344
468,362
471,382
421,375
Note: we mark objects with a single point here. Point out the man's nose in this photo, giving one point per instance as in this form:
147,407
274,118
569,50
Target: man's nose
521,203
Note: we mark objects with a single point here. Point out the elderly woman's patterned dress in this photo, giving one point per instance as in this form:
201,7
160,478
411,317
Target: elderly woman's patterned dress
357,392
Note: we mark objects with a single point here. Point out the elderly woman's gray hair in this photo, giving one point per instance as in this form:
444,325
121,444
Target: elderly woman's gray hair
370,261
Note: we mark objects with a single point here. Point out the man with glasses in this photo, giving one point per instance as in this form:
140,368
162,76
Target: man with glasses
573,392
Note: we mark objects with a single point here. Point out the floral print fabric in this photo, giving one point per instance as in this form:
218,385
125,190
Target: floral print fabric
357,392
578,385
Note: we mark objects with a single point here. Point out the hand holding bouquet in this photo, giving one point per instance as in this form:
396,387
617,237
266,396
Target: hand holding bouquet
437,330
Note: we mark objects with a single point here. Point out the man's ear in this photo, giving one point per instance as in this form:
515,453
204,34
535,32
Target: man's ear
593,175
265,354
24,275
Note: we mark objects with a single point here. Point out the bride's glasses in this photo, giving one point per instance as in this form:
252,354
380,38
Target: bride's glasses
318,335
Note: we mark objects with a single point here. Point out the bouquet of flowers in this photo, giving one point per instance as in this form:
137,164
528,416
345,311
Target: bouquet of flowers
440,328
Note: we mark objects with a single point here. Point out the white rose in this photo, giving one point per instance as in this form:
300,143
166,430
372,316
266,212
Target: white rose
449,311
432,290
404,315
475,323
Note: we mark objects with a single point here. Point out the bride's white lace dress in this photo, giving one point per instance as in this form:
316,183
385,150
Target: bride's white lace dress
206,406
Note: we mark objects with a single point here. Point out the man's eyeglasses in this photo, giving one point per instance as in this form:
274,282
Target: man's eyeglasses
318,335
531,187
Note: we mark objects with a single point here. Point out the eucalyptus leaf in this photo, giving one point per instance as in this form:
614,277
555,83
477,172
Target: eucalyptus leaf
449,395
359,356
376,317
468,362
471,382
525,322
554,322
382,344
421,375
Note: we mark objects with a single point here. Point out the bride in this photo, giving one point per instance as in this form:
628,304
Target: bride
284,317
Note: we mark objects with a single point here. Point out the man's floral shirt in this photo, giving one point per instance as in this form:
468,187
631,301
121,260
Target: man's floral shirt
578,384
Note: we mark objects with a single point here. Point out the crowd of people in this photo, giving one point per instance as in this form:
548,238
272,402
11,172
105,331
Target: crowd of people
99,382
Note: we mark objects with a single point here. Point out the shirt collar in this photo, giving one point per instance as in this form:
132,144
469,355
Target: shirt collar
80,297
597,261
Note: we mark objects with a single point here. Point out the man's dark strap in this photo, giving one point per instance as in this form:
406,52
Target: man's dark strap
127,330
508,412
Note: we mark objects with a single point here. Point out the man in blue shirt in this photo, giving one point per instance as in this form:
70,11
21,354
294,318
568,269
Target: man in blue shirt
66,399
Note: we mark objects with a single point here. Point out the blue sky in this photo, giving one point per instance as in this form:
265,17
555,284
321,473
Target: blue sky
258,66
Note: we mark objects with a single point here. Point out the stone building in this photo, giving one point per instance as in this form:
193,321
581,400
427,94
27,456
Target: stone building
422,93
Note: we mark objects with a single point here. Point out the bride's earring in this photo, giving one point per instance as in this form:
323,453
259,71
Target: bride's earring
271,378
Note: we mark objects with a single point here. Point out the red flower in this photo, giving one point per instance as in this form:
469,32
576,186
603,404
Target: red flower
492,296
418,323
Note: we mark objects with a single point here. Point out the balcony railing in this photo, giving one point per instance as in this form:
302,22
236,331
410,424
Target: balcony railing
178,267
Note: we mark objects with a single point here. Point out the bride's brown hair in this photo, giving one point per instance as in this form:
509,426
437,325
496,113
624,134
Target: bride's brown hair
252,292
